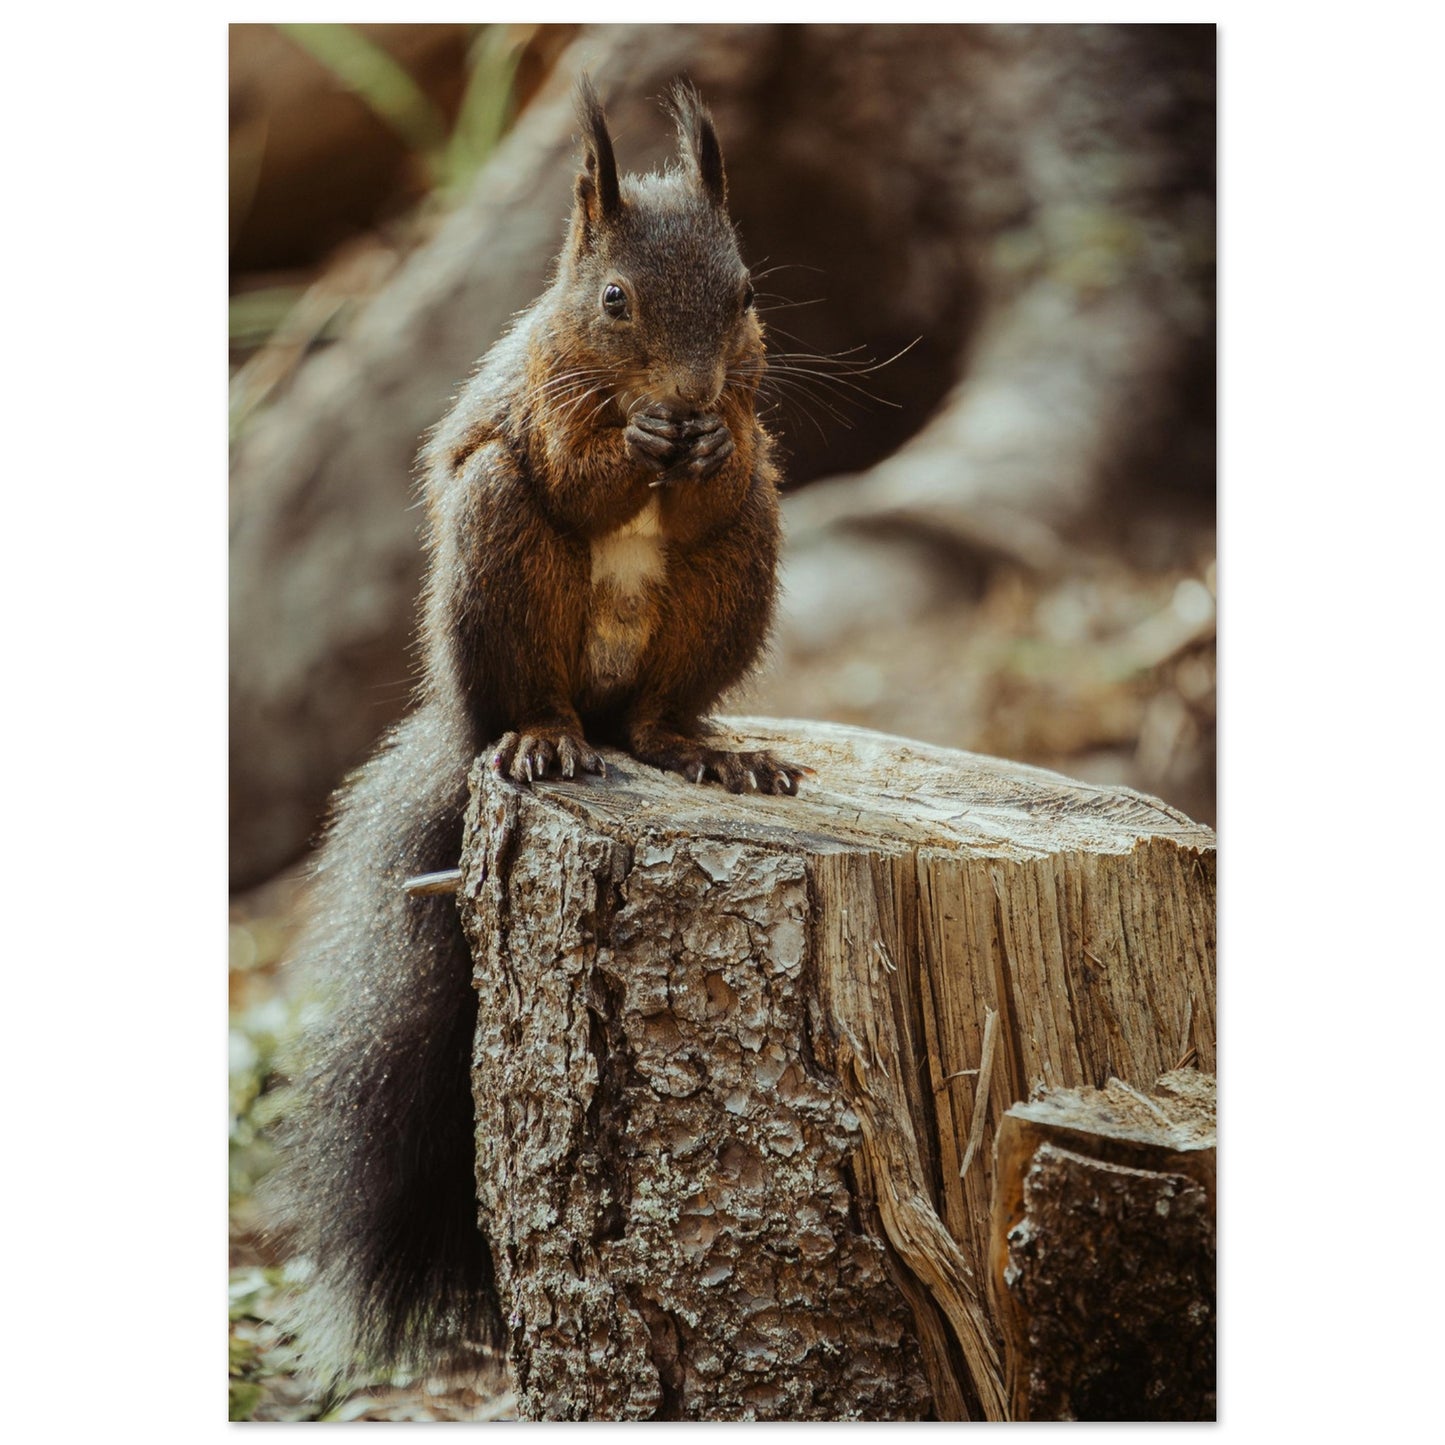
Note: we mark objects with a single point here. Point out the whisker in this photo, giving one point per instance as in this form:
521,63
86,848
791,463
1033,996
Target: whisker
576,402
796,406
823,389
566,380
792,394
841,358
775,330
784,266
841,388
853,368
838,384
798,394
598,410
781,303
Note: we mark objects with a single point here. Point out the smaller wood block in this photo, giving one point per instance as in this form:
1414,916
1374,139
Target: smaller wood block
1103,1253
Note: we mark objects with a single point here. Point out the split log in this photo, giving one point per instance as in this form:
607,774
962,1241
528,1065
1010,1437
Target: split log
1102,1267
739,1060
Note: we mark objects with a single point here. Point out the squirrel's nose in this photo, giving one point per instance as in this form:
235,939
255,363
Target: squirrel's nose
696,387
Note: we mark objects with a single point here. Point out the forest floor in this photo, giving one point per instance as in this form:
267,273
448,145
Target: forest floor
265,1383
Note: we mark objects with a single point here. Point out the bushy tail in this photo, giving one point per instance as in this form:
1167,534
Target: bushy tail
376,1186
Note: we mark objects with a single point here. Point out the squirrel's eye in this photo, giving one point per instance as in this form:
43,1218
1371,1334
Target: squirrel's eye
748,297
614,302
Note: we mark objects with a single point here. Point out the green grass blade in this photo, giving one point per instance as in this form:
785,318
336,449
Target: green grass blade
384,86
486,104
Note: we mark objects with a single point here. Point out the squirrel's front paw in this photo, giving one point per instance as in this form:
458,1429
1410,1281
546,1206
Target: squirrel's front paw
707,444
540,752
682,448
655,437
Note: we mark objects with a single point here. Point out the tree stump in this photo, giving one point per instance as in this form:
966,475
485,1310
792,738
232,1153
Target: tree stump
740,1059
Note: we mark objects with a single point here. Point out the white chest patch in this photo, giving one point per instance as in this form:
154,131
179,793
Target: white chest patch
631,556
625,566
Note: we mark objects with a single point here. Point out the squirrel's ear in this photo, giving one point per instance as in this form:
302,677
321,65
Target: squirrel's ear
598,196
697,140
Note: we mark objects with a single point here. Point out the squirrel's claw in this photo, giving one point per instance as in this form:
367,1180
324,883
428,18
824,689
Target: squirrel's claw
711,449
738,772
649,448
531,757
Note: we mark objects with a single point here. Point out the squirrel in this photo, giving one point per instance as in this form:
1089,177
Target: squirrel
602,531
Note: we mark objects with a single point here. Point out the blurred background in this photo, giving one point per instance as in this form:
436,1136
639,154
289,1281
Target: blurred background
1004,541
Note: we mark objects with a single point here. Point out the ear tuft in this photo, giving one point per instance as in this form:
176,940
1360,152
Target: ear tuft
697,140
597,190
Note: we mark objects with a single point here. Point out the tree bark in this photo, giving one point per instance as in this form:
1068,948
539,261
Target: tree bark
1102,1267
734,1054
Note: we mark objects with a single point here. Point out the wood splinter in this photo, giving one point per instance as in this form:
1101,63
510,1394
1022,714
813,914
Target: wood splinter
424,885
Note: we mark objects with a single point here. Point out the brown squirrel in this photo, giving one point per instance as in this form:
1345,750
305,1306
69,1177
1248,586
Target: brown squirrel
603,536
602,500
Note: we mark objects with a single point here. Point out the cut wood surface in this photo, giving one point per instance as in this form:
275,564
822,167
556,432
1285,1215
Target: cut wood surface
735,1051
1102,1267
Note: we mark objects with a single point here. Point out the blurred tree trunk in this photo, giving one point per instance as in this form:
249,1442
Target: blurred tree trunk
1031,205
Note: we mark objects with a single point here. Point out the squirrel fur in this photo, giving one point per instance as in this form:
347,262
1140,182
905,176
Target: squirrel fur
602,531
